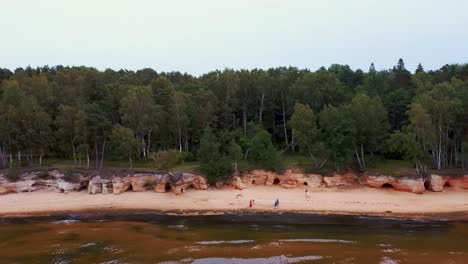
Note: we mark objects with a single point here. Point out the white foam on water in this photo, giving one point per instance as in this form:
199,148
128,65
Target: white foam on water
67,222
387,260
88,245
271,260
218,242
178,227
318,240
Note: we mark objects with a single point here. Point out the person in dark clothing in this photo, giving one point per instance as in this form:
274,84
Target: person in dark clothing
276,203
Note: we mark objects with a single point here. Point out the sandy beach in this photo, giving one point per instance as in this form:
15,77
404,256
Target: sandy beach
367,201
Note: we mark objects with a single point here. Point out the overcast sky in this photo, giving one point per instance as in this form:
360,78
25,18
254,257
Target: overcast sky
199,36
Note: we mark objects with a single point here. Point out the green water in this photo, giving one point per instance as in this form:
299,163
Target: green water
153,238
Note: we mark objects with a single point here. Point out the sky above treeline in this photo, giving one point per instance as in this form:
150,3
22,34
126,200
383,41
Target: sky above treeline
204,35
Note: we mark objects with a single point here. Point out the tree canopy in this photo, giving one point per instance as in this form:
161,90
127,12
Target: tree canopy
336,116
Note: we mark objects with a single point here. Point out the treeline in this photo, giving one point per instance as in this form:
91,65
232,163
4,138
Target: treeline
338,117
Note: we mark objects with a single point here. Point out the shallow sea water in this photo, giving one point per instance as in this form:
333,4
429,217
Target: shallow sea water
288,238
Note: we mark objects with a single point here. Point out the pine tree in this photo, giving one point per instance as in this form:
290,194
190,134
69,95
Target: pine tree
419,68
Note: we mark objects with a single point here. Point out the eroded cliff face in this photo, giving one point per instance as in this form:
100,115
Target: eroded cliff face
288,179
433,182
118,182
51,180
414,185
140,182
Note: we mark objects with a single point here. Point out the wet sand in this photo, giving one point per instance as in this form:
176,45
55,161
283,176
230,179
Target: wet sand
360,201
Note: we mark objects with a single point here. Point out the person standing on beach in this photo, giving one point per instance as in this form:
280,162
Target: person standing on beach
250,203
276,203
307,194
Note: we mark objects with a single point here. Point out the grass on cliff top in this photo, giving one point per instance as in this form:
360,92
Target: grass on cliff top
396,168
392,168
139,165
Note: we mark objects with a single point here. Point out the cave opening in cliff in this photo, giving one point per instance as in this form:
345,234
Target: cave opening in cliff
427,185
83,186
130,188
253,181
447,184
306,184
276,181
387,185
167,188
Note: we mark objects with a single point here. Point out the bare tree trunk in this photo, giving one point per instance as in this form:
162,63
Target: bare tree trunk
293,144
102,153
446,147
244,119
11,152
74,154
95,153
227,99
463,157
19,158
143,143
180,138
260,116
357,156
149,142
362,157
246,154
186,138
87,158
440,146
284,121
3,158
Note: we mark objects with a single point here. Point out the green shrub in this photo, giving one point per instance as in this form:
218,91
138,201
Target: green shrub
186,156
12,174
263,153
166,159
215,171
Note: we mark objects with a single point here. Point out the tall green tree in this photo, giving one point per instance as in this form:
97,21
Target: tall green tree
235,154
124,144
338,132
212,163
139,113
263,153
370,124
306,133
71,130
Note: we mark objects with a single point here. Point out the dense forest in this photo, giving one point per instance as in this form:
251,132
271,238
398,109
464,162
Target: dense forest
337,117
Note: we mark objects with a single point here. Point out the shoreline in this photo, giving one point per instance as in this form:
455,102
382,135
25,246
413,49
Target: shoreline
331,201
72,214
